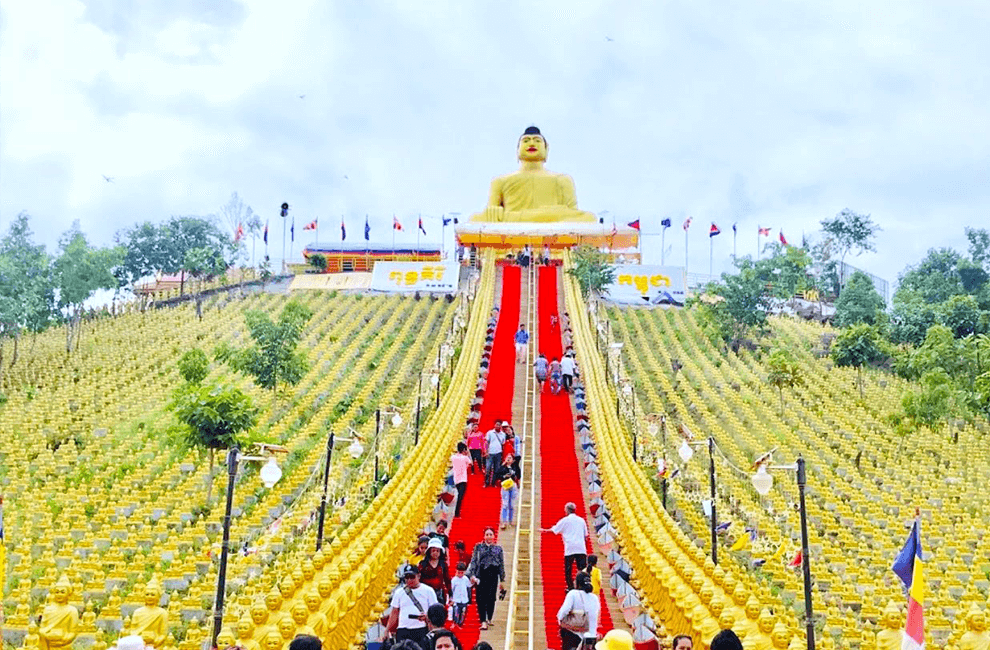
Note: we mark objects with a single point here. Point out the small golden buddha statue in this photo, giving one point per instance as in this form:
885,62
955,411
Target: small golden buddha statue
286,628
533,193
759,639
273,600
100,642
259,616
226,639
726,620
22,614
59,620
272,641
324,588
245,634
749,625
150,621
780,636
31,639
87,623
300,617
891,630
317,621
113,603
976,636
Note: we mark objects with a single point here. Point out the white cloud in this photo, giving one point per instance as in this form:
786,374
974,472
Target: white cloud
770,113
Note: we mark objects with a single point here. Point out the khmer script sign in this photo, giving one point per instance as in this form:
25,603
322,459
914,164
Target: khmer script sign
439,277
642,284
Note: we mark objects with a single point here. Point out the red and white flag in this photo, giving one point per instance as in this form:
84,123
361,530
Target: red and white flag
239,235
395,223
783,240
311,225
764,231
687,223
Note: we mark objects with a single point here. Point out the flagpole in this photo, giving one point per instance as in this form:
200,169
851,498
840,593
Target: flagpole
419,223
757,242
443,236
734,233
686,251
711,255
663,239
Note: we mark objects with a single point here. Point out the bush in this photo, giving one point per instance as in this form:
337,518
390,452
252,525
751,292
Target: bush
194,366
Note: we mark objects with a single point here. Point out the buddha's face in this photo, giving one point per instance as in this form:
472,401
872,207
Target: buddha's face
245,628
726,620
532,148
151,597
780,636
752,608
287,627
60,594
717,605
259,614
308,570
312,601
273,601
225,639
891,618
978,621
324,587
739,596
707,593
766,621
273,642
300,613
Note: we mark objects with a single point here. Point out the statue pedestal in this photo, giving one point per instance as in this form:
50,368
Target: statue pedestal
557,236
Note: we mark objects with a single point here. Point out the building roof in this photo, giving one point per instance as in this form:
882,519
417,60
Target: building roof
370,247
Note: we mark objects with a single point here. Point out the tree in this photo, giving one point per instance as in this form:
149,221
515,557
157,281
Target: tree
592,271
194,366
851,232
318,262
933,280
979,246
784,373
273,359
910,318
151,249
26,293
212,418
859,302
961,314
933,403
858,346
78,272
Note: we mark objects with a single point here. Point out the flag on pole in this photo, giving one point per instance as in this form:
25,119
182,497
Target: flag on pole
764,231
798,559
266,233
367,229
744,540
395,223
734,228
665,223
292,232
687,223
635,224
343,230
447,220
239,234
421,228
311,225
783,240
615,230
714,230
909,567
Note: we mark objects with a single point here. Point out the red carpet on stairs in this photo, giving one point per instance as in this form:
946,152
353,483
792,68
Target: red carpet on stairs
560,470
482,505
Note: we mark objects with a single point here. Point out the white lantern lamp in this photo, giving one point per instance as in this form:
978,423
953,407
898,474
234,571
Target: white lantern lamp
762,480
270,473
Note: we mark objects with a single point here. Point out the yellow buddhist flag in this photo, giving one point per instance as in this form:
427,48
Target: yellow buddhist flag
743,541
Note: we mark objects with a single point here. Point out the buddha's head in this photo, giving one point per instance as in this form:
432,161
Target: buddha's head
319,559
891,618
707,593
753,608
324,587
717,605
61,591
312,600
152,593
273,600
225,639
245,627
739,595
532,146
976,619
766,621
259,613
272,641
726,619
287,627
308,570
300,613
780,636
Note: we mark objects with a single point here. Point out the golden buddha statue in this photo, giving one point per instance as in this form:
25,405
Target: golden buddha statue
100,641
273,601
891,630
31,639
226,639
272,641
976,637
22,614
300,617
533,194
259,616
245,634
113,603
59,620
286,628
87,624
726,620
780,636
317,621
751,614
150,621
759,639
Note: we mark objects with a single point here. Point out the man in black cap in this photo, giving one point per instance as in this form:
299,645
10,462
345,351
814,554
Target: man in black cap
410,603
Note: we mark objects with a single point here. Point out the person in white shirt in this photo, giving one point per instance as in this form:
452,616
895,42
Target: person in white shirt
573,531
460,586
494,440
409,604
567,373
580,599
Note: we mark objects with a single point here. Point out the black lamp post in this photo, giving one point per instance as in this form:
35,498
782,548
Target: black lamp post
323,499
419,404
802,481
225,549
711,477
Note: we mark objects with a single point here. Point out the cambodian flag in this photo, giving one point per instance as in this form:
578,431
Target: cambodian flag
714,230
909,567
634,224
783,240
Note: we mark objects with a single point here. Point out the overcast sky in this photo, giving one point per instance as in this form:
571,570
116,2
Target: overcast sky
761,113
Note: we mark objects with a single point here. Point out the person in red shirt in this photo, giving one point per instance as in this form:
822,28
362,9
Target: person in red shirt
433,570
475,438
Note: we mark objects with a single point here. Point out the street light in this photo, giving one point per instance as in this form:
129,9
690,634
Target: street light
355,449
435,382
657,422
686,452
270,475
762,482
